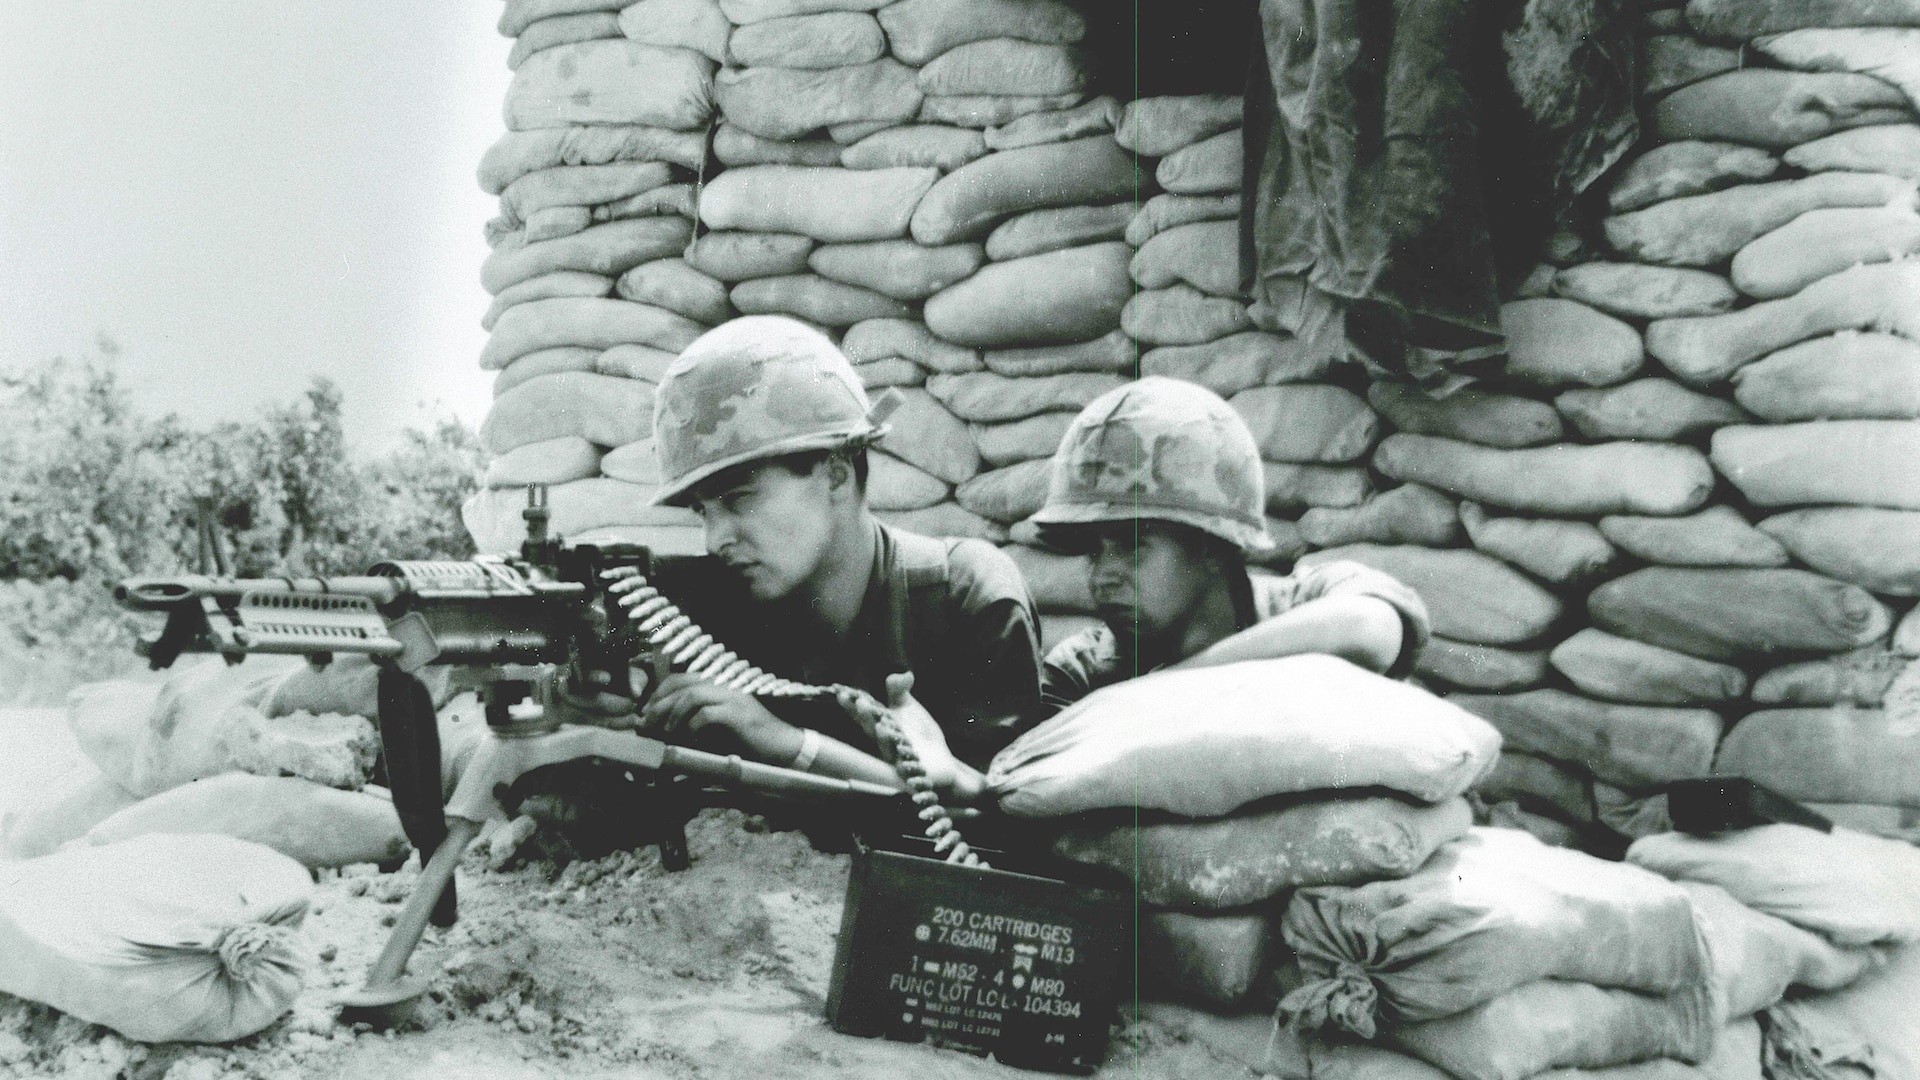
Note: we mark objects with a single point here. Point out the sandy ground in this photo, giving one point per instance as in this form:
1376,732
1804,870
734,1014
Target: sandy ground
615,968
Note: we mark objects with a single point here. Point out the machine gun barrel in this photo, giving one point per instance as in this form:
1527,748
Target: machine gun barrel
164,593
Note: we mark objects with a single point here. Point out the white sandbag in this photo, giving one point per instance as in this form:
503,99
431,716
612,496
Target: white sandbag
1838,754
1166,211
1702,230
1182,315
642,362
786,103
745,12
1756,958
1308,422
610,249
739,256
1060,297
818,300
1492,911
1848,376
1158,126
520,14
836,205
1716,536
967,203
1292,487
1878,550
877,339
1776,109
919,30
586,322
1213,957
1638,291
672,200
1554,1024
1688,167
553,222
985,397
1850,888
734,148
1632,746
1621,669
335,750
494,520
153,735
1408,514
1004,66
923,433
991,110
1205,255
1553,550
636,463
579,186
1471,596
1112,352
1007,495
598,408
551,461
1736,614
562,30
677,287
1669,61
893,484
1205,742
61,810
1851,462
161,938
1560,343
1823,242
946,519
1861,677
934,145
547,287
518,153
1239,362
1893,149
611,82
1480,667
826,39
1205,168
1038,231
1885,52
1474,416
1876,297
1562,479
1023,440
687,24
900,269
1651,408
313,825
1096,117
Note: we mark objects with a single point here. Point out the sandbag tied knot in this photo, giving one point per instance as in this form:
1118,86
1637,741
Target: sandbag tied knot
1346,1000
247,946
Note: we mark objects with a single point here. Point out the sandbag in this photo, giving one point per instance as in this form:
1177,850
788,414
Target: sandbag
612,81
1158,126
636,463
552,222
1182,315
1893,149
1864,1029
935,145
562,30
546,287
518,153
1023,440
1164,211
1292,487
348,686
1848,376
1823,242
643,362
677,287
1095,117
1776,109
688,24
1205,168
947,519
579,186
1471,597
739,256
1620,669
1688,167
1535,781
1906,635
1650,408
518,15
1040,231
1111,352
1060,583
1002,65
1850,888
161,938
544,362
744,12
1878,550
1550,831
314,825
1852,462
1757,958
1739,614
990,110
1475,416
1861,678
900,269
1556,551
1703,230
919,30
599,408
893,484
1637,291
61,810
150,736
815,299
1750,18
854,130
671,200
1007,495
1559,343
735,148
611,249
876,339
550,461
1253,730
1238,362
1216,958
925,434
827,39
986,397
968,202
1265,848
825,203
493,518
1716,536
787,103
1835,754
1308,422
1408,514
1479,667
1060,297
1205,255
1554,1024
1562,479
1490,912
1669,61
1631,746
1884,52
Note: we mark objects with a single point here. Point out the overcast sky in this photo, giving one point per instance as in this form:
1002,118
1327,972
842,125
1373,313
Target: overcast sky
246,193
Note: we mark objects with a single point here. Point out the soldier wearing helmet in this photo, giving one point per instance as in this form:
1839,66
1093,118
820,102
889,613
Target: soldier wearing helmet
762,427
1159,481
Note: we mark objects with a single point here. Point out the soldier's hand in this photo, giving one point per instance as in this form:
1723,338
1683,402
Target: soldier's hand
685,703
960,781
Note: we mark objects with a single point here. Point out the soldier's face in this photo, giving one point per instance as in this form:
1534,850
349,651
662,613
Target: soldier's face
769,525
1146,582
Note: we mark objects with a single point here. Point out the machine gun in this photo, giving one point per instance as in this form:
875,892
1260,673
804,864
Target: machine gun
532,624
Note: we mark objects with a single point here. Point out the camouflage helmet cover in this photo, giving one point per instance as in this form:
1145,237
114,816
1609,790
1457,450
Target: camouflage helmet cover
757,387
1160,449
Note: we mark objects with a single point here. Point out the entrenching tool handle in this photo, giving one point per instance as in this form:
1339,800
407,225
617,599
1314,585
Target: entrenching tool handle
410,743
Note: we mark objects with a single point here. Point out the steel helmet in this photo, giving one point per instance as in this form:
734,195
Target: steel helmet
1165,450
754,388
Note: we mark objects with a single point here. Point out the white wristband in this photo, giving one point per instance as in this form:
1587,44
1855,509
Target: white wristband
809,749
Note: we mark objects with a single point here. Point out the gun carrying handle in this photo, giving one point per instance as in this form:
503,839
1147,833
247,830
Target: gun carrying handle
410,745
